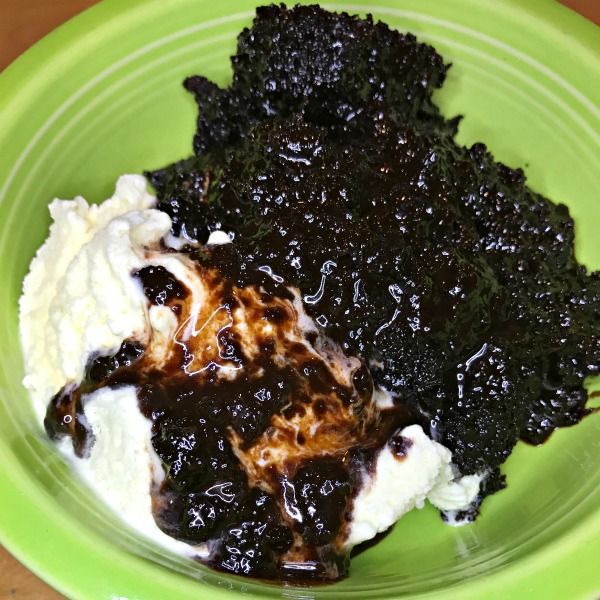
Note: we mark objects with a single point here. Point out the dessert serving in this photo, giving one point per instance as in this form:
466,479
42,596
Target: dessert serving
328,314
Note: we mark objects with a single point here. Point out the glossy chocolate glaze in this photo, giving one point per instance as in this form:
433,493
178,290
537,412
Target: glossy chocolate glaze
263,426
455,282
448,281
400,257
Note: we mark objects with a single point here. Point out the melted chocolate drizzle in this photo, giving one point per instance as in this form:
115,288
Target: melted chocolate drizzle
261,441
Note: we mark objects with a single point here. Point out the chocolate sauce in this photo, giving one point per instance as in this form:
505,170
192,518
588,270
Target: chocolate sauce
262,425
429,265
453,281
400,446
65,412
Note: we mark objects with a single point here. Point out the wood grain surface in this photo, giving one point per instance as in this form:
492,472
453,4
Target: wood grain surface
22,23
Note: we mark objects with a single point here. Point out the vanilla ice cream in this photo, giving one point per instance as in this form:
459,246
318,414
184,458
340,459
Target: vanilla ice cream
81,300
78,298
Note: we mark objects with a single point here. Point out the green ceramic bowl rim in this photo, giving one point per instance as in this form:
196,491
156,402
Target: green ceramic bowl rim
22,511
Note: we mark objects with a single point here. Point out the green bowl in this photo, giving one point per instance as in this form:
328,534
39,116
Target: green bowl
102,96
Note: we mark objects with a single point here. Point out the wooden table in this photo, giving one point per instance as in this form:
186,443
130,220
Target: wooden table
22,23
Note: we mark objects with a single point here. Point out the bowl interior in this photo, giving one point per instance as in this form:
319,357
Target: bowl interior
102,96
